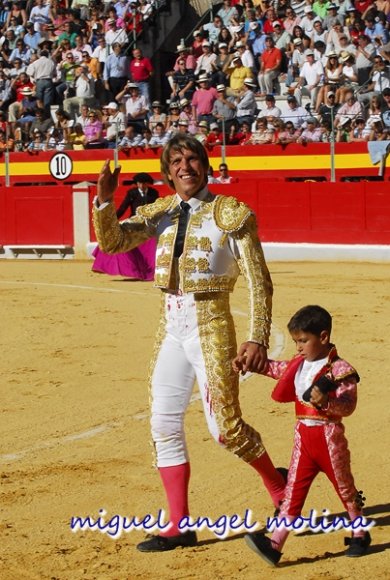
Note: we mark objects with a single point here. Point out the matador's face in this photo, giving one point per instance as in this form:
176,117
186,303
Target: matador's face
187,173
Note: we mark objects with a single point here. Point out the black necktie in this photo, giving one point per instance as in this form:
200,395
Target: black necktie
181,228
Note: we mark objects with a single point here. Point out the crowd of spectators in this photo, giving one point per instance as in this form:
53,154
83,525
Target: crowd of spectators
72,75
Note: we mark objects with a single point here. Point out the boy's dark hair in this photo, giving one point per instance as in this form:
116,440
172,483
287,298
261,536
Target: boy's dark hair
313,319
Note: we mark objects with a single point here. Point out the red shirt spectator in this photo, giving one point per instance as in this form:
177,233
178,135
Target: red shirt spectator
140,67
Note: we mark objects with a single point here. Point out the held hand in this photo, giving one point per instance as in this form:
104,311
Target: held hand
251,357
107,182
318,399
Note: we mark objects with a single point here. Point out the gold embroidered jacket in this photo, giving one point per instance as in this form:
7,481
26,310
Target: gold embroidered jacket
221,241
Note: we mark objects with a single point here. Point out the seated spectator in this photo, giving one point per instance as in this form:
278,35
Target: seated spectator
182,127
349,77
224,109
135,104
202,131
343,131
210,175
349,111
22,52
41,123
262,135
141,70
84,92
238,135
146,137
114,34
186,114
5,144
358,130
227,12
379,80
37,142
197,44
311,134
378,132
157,116
333,79
76,138
183,82
237,74
5,91
203,100
289,134
114,125
204,63
270,65
221,65
280,36
93,131
296,114
130,139
173,115
330,108
212,29
246,103
55,140
214,137
364,57
246,56
223,176
310,79
271,111
160,137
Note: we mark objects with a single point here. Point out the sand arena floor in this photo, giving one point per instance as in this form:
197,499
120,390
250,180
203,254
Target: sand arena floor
75,435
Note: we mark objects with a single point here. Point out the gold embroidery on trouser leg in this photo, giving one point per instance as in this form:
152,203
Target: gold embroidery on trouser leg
160,335
218,341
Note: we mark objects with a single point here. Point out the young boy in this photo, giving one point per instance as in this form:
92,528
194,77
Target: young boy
324,389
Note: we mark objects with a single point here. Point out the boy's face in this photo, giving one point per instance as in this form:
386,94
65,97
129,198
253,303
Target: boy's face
311,346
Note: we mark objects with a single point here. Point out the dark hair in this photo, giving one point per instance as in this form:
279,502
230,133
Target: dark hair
313,319
177,143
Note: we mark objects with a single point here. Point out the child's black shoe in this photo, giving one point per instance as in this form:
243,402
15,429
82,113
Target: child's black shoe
262,545
357,546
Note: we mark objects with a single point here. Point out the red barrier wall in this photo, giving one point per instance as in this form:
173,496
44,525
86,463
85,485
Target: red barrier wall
323,213
33,215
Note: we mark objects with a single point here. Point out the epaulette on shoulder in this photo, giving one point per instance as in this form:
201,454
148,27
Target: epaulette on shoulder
160,206
342,370
230,214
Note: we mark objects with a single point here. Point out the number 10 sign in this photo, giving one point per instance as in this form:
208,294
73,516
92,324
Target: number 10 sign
61,166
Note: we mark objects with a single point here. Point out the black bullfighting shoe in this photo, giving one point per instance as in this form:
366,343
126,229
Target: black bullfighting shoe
357,546
263,547
164,544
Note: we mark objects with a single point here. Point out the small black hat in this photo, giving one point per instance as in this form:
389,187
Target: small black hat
142,178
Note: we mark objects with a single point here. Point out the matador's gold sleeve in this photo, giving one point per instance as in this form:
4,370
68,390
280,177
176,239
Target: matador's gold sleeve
253,266
115,237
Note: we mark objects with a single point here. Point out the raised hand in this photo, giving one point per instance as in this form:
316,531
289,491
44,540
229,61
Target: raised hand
107,182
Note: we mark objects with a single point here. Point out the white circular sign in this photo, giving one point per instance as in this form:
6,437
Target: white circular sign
61,166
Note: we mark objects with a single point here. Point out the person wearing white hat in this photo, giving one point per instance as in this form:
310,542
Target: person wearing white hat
307,22
224,109
281,37
246,55
246,103
237,74
296,62
203,100
204,64
310,79
135,104
114,124
157,115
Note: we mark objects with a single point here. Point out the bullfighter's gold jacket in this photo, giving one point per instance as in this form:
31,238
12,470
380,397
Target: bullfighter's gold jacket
221,241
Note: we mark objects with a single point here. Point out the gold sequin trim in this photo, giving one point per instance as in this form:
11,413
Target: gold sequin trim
218,341
230,214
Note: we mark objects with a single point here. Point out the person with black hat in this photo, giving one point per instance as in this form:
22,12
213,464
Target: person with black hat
138,263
